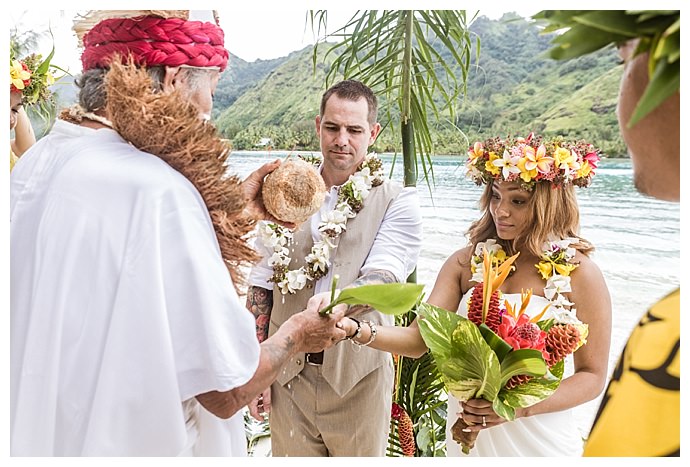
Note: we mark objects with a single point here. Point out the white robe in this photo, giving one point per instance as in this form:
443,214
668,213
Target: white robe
121,307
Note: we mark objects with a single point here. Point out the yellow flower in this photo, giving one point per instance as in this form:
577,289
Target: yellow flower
584,170
545,268
565,269
490,164
525,173
476,152
500,256
18,74
50,79
562,156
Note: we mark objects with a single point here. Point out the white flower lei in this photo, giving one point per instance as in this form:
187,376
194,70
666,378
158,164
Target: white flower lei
277,238
559,252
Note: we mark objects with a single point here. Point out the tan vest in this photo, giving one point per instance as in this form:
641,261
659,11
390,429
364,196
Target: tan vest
343,367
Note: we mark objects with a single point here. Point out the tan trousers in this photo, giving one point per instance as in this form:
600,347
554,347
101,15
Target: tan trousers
308,418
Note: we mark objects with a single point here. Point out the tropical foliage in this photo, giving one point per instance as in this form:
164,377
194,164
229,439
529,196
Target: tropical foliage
658,32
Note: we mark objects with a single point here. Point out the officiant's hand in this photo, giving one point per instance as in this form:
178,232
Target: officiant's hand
261,405
251,186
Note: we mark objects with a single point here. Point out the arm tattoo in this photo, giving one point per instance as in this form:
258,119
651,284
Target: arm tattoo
260,304
377,276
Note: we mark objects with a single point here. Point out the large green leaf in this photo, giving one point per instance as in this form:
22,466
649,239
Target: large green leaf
533,391
498,345
664,83
468,366
522,362
390,299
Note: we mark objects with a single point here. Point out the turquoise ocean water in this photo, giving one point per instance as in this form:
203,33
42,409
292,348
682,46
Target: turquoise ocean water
637,238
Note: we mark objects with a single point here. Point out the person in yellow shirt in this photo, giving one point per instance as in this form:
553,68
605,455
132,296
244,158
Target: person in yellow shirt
639,414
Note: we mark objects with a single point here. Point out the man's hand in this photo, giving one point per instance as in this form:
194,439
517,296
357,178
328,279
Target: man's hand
313,332
252,193
260,405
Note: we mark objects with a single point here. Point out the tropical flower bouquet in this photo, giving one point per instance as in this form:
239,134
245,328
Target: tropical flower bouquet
499,353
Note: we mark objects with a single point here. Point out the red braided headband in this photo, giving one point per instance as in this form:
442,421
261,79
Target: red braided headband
155,41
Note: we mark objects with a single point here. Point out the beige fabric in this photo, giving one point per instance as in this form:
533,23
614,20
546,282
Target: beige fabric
310,419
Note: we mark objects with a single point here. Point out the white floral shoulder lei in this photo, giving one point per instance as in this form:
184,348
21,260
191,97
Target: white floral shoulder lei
351,196
555,266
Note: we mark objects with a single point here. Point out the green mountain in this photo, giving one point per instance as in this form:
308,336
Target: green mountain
238,78
513,88
281,106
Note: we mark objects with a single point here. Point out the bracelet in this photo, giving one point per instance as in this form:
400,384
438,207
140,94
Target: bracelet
358,331
372,336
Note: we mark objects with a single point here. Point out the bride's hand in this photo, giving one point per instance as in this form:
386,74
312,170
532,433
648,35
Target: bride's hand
479,414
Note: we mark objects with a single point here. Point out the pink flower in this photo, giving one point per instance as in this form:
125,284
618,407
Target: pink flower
592,158
522,334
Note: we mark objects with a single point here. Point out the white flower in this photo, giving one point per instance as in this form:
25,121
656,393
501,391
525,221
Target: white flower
345,209
333,221
564,316
478,275
552,246
490,245
561,301
556,285
360,187
319,258
296,280
509,163
279,259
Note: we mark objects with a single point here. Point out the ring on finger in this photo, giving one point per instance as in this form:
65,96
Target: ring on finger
483,420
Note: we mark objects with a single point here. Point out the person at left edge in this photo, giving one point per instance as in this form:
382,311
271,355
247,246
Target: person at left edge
127,334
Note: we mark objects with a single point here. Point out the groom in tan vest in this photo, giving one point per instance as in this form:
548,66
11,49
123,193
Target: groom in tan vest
338,402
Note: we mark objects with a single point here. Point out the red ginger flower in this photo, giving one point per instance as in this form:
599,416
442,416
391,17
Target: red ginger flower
561,341
475,305
405,430
517,380
484,305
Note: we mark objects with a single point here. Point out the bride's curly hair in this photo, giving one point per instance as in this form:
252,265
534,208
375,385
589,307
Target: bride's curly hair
554,213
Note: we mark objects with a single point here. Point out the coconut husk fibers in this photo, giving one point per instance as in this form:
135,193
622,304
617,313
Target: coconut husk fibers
168,126
294,191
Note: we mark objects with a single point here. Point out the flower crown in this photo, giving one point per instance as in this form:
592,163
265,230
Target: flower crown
32,77
531,160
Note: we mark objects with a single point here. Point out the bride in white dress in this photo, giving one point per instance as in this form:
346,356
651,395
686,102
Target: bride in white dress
521,219
546,434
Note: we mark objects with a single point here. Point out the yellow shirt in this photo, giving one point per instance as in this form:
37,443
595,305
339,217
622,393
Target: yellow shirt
640,412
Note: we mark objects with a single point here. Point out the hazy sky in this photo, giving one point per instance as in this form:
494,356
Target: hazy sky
249,34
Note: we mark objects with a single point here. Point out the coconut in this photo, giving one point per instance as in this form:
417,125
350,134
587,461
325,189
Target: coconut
294,191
